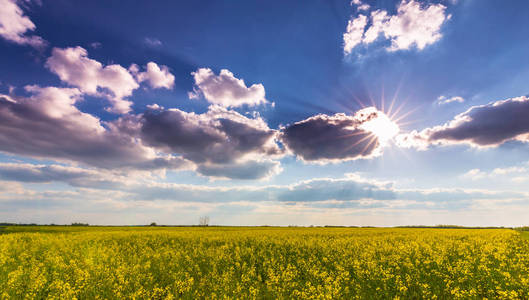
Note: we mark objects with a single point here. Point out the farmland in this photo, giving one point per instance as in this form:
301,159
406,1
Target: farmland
261,263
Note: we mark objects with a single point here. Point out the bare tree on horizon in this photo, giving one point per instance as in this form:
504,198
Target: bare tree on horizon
203,221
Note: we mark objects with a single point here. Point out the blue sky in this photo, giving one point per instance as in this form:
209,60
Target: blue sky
309,113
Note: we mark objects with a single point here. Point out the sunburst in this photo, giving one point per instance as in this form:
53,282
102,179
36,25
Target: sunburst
387,121
382,127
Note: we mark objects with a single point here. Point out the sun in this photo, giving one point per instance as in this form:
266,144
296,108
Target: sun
382,127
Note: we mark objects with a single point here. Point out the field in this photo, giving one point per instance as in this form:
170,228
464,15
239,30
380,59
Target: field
263,262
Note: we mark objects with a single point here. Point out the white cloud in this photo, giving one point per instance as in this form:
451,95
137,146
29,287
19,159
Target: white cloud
412,26
14,25
499,173
153,42
359,5
474,174
364,7
155,106
353,35
225,89
113,82
509,170
323,193
59,103
156,76
347,201
444,100
73,66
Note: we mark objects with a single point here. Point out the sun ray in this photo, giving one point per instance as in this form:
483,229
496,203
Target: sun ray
382,99
399,108
371,99
415,121
362,105
390,110
382,127
408,113
373,139
358,132
370,135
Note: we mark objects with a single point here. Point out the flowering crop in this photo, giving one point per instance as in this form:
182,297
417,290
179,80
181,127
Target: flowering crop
263,262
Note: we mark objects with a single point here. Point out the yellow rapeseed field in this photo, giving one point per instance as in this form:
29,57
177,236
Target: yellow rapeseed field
262,263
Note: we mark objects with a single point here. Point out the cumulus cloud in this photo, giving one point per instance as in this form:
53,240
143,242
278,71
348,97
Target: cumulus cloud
14,25
360,5
354,33
218,141
156,76
48,125
487,125
444,100
73,66
225,89
324,138
414,25
113,82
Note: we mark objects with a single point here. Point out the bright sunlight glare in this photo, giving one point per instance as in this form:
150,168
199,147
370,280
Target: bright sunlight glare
382,127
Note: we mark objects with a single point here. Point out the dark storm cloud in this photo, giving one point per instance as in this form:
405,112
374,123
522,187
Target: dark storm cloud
326,138
485,125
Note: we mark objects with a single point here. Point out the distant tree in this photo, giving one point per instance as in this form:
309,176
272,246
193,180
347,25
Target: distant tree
203,221
79,224
153,224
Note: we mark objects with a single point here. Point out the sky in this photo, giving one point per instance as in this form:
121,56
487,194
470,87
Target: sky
366,113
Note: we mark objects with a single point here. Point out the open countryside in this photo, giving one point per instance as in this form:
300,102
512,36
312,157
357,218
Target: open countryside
59,262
